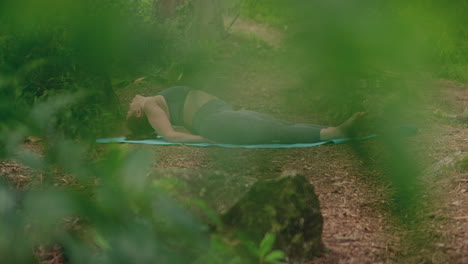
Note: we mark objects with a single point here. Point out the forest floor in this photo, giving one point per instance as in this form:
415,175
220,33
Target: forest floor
359,224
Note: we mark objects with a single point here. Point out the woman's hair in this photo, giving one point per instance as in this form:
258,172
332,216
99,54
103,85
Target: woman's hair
139,128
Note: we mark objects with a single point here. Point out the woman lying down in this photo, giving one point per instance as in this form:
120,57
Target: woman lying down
210,119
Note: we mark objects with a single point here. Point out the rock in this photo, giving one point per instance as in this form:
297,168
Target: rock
286,206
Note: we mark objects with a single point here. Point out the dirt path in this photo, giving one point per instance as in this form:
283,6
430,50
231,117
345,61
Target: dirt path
355,227
445,143
270,35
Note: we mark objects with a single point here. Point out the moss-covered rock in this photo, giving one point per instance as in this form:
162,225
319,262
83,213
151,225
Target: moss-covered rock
286,206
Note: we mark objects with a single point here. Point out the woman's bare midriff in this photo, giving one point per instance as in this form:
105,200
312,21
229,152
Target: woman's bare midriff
194,101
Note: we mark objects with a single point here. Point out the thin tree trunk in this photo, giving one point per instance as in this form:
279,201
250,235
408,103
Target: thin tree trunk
165,9
207,20
205,23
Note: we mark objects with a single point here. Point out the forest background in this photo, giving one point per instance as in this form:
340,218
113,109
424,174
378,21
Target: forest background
68,68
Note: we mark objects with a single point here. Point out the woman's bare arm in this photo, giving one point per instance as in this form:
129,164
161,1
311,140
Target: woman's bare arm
159,120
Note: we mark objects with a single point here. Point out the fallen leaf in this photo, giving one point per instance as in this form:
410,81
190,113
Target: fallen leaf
32,139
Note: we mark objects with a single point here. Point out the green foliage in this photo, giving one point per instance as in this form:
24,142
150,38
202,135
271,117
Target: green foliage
265,252
123,219
275,12
49,49
266,244
433,30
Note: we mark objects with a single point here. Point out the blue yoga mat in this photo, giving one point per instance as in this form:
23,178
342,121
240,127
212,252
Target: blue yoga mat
162,142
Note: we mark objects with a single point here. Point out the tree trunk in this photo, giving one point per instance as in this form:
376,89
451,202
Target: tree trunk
208,22
165,9
205,17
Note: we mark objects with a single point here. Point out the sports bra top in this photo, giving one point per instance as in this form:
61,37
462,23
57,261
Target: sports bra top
175,99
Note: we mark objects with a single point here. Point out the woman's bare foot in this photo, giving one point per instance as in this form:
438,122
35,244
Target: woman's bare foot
342,131
351,122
